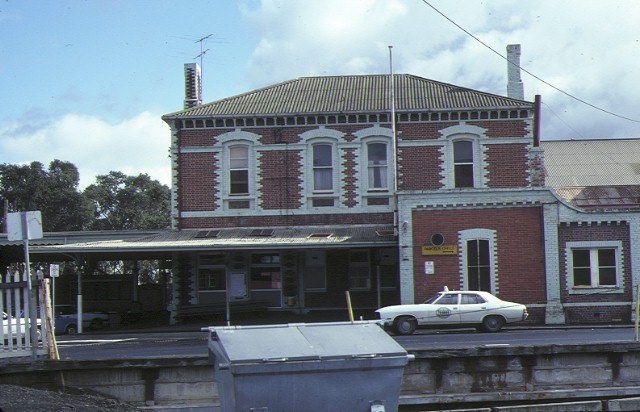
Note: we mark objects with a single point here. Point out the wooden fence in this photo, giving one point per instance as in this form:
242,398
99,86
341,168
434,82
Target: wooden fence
16,338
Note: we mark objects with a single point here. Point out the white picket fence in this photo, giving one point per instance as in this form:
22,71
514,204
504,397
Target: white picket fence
15,335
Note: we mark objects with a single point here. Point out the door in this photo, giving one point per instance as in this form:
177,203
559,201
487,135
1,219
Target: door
445,311
472,308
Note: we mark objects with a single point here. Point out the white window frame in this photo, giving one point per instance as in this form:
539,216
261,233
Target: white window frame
233,168
331,167
225,141
478,234
593,247
367,174
474,134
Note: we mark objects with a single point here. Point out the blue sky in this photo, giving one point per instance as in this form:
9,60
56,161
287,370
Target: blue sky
87,81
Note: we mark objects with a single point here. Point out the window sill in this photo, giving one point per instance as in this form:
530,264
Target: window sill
588,290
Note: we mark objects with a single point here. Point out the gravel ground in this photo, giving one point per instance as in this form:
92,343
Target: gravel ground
24,399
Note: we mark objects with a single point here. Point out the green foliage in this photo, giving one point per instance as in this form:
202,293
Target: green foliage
114,202
123,202
54,192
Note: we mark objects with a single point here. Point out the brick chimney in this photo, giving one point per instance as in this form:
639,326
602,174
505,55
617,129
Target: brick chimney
515,88
192,85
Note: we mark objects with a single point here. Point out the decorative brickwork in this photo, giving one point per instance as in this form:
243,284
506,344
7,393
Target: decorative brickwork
280,180
507,165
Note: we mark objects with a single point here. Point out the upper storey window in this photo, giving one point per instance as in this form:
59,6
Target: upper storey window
377,165
322,167
463,163
239,170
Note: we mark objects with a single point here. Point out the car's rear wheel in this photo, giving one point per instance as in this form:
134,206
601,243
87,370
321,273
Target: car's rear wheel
492,323
404,325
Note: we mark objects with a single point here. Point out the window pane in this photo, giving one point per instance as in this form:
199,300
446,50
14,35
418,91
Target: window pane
483,252
322,155
463,175
581,258
607,277
322,179
211,279
265,278
239,181
463,152
377,154
582,276
448,300
607,257
238,157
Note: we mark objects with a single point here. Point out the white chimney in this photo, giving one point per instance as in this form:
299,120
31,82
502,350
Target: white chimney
192,85
515,88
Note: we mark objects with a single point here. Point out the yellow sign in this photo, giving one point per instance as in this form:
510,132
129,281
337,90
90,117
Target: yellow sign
439,250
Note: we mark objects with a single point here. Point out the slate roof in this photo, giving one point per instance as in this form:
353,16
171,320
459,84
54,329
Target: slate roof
352,94
595,174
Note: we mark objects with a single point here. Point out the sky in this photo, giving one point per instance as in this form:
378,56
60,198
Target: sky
88,81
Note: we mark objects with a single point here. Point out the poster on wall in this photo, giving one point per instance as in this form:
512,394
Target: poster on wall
428,267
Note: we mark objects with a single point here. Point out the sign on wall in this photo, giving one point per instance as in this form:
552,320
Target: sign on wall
440,250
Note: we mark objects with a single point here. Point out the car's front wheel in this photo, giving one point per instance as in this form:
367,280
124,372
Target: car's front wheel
71,329
492,323
404,325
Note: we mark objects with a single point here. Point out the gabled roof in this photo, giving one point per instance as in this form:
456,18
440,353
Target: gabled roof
595,174
350,94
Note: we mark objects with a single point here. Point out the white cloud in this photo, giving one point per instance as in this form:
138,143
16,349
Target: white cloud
561,44
136,145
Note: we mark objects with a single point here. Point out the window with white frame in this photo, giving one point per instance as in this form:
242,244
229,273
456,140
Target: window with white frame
377,166
359,270
238,170
322,167
594,267
478,259
463,163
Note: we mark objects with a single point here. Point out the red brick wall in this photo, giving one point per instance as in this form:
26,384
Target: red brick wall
420,168
279,175
519,244
507,165
504,128
198,180
284,220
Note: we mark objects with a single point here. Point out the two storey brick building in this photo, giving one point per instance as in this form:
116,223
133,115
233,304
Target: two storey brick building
298,192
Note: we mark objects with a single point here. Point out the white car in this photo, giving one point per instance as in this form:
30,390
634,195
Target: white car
453,309
16,325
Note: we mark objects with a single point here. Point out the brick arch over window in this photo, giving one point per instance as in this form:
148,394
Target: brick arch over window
478,260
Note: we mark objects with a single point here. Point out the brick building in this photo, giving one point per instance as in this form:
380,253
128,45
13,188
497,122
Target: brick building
303,190
288,196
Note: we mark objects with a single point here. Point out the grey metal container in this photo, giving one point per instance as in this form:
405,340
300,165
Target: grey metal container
339,366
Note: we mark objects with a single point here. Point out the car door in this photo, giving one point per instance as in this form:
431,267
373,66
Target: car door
472,308
445,311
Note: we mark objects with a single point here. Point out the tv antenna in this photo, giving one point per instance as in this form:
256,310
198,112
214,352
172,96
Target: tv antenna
201,40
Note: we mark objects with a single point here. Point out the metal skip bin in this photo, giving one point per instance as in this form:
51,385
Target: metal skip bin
338,366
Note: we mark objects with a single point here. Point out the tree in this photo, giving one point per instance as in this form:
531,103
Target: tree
54,192
123,202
